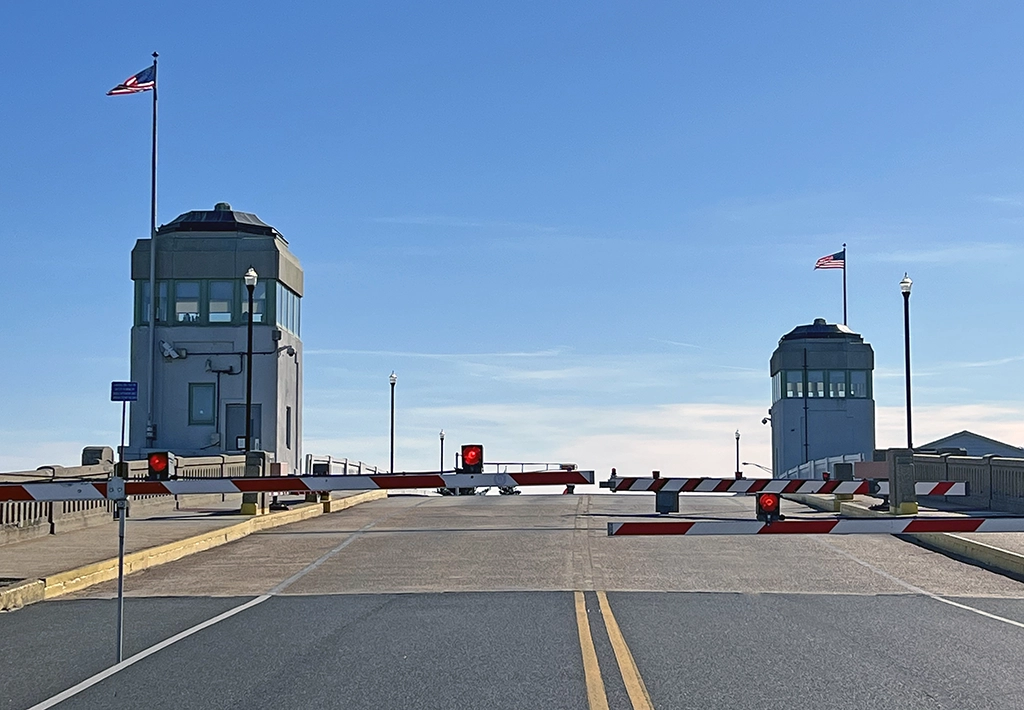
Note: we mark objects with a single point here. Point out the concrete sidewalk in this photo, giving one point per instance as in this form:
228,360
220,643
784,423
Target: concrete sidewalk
1000,552
46,567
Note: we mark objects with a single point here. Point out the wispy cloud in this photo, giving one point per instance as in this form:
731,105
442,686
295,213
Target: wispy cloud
1003,200
675,342
958,254
461,222
554,352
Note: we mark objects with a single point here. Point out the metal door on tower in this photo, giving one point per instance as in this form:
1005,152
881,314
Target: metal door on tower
234,426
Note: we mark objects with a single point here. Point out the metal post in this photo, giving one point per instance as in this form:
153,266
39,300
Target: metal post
121,504
151,374
248,374
392,379
739,472
905,285
442,452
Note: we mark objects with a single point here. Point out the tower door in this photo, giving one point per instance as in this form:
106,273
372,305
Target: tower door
234,427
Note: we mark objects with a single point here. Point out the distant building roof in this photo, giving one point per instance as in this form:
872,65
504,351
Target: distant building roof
975,445
822,329
220,219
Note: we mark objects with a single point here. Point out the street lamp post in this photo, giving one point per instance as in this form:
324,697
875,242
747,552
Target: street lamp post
739,472
905,285
442,451
393,379
250,285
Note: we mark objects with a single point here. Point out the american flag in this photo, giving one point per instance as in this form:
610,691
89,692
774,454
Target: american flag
145,80
832,261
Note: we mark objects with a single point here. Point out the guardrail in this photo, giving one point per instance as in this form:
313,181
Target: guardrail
21,520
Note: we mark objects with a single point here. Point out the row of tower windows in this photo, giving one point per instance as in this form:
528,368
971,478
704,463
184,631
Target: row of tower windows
217,302
837,384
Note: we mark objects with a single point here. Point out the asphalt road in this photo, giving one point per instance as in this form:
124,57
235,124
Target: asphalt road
524,602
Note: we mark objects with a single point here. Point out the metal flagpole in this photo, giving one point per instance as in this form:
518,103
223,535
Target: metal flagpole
150,430
844,283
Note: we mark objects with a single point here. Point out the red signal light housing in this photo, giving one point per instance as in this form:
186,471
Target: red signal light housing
768,507
160,465
472,458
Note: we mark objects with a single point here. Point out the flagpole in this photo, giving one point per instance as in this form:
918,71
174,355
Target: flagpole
150,429
844,284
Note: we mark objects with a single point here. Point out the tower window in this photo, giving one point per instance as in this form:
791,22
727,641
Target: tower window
794,383
815,383
837,383
186,302
222,297
859,384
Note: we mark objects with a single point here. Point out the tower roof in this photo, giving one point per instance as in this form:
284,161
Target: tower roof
220,219
819,329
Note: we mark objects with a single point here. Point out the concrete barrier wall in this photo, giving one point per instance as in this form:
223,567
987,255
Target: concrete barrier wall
995,482
24,520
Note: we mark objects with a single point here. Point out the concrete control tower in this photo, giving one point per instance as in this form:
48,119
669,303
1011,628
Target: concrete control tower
197,404
822,401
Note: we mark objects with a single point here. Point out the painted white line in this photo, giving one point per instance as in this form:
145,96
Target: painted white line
917,590
104,674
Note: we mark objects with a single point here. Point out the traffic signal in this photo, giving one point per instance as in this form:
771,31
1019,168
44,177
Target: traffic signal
161,466
472,458
768,507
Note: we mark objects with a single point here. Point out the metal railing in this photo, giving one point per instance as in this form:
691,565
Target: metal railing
331,466
25,514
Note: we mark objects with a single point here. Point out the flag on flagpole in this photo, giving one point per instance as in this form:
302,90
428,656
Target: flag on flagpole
145,80
832,261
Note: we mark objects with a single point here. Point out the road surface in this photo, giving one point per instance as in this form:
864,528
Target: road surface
524,602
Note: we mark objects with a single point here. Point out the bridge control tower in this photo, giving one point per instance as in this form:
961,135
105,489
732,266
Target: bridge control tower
196,405
822,399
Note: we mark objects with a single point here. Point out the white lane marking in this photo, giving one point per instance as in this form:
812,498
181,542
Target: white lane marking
103,675
116,668
917,590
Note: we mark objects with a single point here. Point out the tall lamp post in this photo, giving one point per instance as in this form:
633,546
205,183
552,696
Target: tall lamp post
739,472
442,451
392,379
905,285
250,285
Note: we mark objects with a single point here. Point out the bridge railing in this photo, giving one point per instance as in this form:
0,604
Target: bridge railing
26,519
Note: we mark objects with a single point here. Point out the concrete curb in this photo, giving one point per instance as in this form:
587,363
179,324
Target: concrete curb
31,591
949,544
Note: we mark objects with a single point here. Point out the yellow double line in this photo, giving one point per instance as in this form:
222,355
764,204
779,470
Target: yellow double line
596,696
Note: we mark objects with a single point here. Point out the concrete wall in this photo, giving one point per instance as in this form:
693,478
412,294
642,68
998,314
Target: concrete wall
995,482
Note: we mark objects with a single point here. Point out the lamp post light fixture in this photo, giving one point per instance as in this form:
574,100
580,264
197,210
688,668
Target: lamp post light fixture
441,435
250,285
739,472
392,379
905,285
763,468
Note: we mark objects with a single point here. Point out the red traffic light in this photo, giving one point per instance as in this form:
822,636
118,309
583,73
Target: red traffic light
768,502
472,454
158,462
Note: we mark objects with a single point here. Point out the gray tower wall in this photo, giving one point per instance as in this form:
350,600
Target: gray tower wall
842,420
207,247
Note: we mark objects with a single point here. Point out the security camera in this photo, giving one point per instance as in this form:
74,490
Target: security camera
168,351
766,420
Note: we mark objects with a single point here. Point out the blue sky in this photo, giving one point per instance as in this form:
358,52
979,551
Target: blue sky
575,230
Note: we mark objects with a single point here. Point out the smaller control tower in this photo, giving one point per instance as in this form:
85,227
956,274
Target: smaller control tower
822,399
196,406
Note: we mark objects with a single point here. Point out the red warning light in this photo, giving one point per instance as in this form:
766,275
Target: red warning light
472,458
158,462
769,501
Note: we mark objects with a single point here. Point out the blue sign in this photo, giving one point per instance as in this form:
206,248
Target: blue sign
124,391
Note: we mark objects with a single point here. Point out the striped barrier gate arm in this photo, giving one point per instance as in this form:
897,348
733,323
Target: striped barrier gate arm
832,526
779,485
88,490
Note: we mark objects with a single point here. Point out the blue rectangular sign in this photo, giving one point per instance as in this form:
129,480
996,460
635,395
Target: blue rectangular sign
124,391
